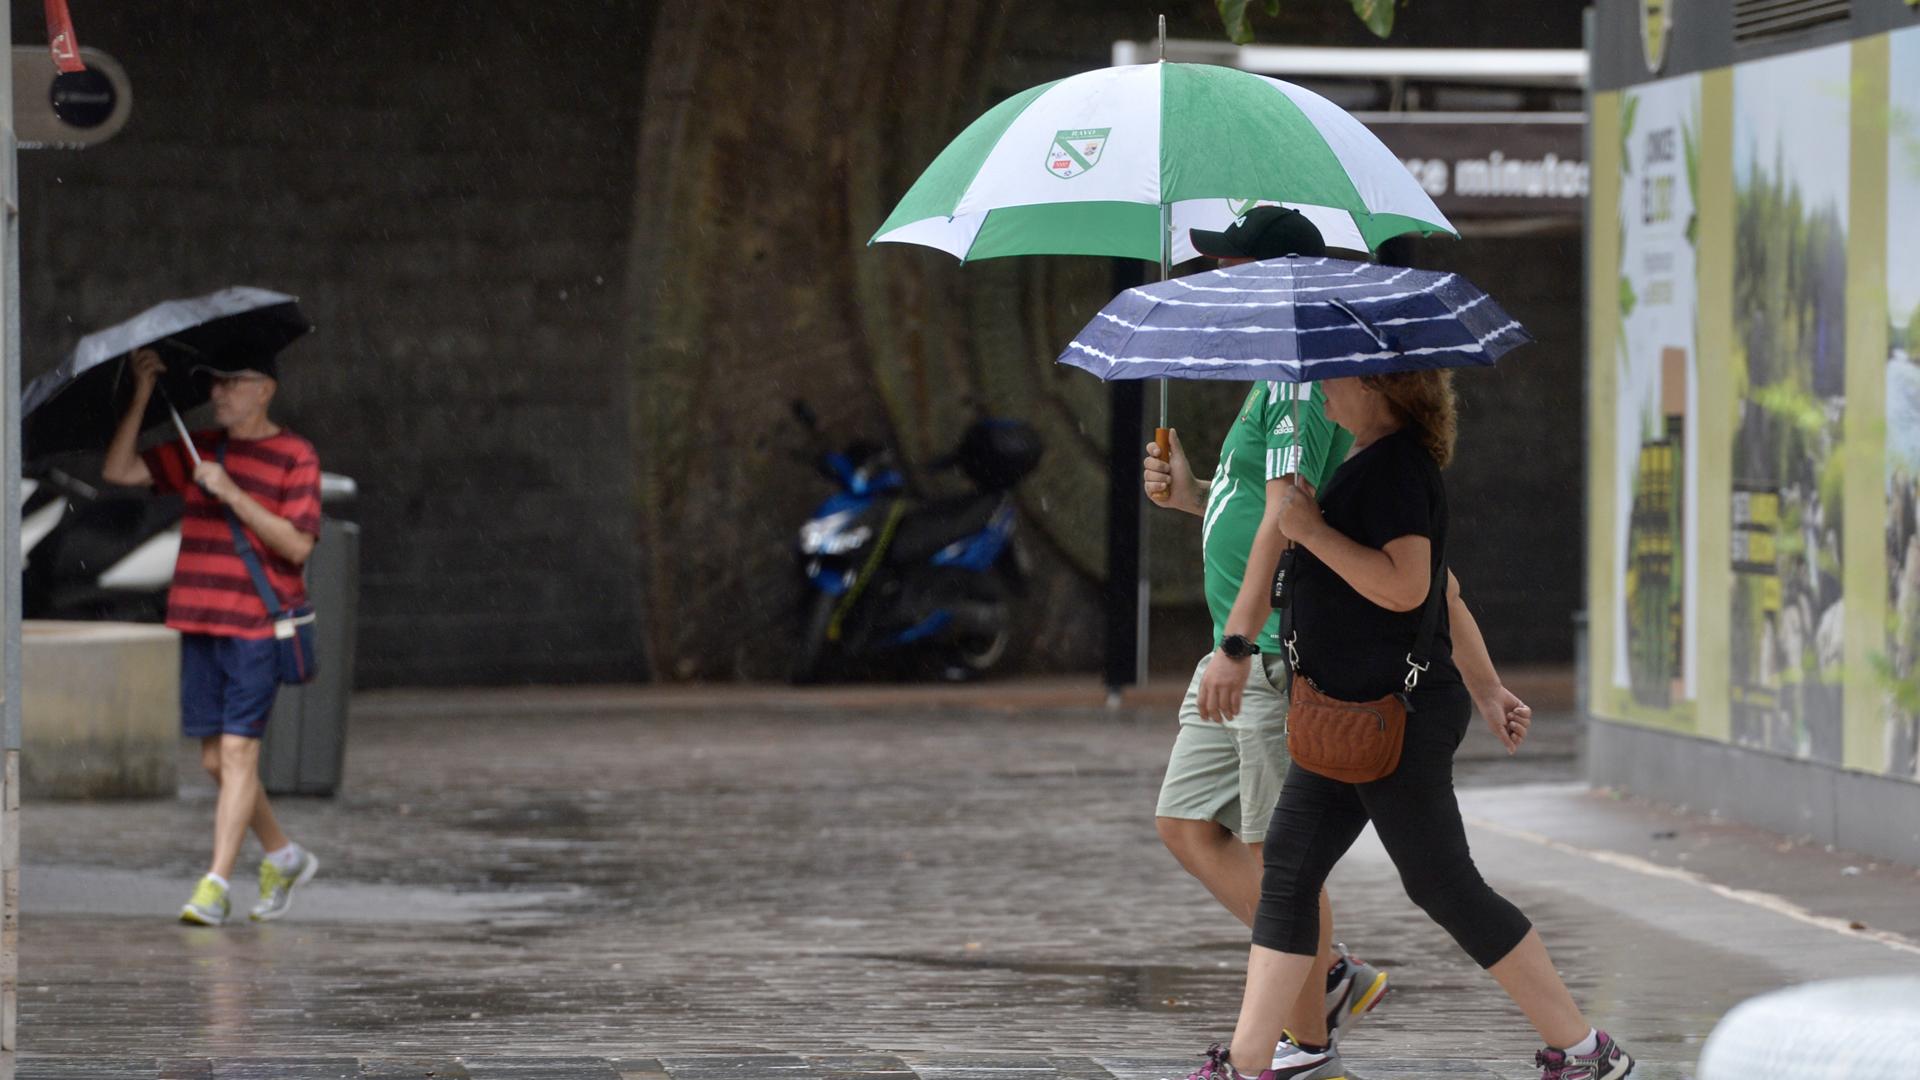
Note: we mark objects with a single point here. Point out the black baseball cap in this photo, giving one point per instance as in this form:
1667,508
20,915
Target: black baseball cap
1266,232
236,368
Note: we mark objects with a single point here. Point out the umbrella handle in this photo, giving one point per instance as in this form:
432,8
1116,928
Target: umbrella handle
1163,438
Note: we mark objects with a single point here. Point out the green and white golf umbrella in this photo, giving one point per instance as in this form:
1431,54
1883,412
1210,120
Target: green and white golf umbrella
1124,161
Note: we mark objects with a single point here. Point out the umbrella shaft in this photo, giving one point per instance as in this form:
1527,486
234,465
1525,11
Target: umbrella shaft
1166,238
186,438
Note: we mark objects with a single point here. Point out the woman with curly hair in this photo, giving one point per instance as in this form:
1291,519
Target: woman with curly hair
1370,553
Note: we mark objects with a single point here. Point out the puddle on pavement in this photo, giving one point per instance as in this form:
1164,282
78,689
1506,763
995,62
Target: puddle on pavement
559,819
101,891
1148,987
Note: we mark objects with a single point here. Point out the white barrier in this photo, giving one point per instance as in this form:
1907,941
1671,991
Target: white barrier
1841,1029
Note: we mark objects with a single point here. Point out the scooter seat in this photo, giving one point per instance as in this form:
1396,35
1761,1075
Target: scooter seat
933,525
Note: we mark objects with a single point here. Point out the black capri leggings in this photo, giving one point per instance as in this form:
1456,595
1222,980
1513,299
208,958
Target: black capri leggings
1418,819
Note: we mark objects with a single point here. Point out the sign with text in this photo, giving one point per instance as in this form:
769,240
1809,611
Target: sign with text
1479,165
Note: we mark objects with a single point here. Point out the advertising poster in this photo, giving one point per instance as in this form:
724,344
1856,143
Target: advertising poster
1903,407
1791,132
1657,461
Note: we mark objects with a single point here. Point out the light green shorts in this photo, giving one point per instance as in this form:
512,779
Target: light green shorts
1231,772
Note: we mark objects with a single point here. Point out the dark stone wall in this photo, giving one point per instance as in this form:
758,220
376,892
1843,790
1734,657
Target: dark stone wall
1518,477
447,188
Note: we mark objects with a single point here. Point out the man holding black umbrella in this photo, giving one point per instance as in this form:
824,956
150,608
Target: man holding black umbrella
253,482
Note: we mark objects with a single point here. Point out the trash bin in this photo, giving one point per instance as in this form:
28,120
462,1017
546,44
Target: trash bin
306,739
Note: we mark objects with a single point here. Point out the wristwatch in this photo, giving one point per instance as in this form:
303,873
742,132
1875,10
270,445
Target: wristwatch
1239,646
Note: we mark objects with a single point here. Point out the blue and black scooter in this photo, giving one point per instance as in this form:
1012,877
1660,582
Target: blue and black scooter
891,576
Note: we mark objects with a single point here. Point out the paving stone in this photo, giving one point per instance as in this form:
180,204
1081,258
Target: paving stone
858,1067
1070,1067
412,1069
43,1069
1418,1070
286,1068
738,1067
1147,1068
981,1067
550,1068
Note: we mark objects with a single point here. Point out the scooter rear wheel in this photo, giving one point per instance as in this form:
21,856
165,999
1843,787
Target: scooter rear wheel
810,662
983,639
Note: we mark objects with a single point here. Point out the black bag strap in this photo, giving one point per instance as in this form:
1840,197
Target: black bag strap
1422,655
243,547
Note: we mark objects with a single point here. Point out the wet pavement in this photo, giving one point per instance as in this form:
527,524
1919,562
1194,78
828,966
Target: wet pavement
709,885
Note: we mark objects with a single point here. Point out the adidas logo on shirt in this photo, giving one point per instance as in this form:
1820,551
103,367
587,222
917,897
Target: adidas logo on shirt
1285,427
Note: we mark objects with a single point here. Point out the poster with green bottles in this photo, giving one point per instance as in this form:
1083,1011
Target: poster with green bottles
1656,449
1792,125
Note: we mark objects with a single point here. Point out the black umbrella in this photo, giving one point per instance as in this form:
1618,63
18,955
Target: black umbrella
77,405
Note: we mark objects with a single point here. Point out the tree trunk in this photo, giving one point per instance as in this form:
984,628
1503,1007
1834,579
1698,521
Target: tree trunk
774,140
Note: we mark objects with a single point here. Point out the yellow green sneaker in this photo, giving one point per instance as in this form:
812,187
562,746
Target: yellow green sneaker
276,885
209,904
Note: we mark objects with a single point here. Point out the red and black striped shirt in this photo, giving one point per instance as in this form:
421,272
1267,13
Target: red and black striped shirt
212,593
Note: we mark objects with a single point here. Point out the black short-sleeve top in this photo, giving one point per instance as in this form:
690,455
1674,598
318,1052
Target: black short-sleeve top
1349,646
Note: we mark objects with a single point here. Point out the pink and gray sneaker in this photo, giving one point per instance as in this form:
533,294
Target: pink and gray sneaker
1216,1066
1607,1062
1292,1064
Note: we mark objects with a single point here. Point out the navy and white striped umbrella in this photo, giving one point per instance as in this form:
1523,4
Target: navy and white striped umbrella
1295,319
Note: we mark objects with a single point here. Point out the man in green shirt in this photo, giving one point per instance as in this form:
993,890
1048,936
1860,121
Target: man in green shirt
1230,756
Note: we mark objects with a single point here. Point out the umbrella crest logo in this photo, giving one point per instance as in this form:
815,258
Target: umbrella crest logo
1075,150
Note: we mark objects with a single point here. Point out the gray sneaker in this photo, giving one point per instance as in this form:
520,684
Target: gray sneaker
1292,1063
276,886
208,907
1354,987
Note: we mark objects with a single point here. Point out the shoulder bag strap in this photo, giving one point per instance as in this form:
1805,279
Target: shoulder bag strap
1421,656
244,548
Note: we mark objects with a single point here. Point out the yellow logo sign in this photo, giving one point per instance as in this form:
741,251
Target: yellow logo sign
1656,29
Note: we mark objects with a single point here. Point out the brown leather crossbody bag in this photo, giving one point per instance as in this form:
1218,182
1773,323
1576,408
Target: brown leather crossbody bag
1359,741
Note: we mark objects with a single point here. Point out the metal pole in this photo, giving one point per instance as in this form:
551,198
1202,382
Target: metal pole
9,558
1126,523
1143,594
1582,657
1166,220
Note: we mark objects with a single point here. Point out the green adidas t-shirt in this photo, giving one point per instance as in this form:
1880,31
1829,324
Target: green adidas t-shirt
1260,447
